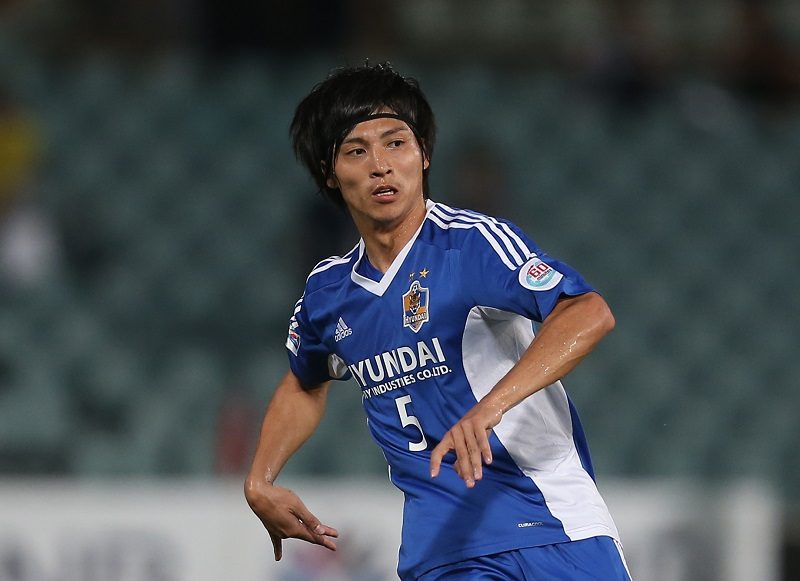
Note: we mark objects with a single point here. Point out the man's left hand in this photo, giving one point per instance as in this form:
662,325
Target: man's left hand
469,438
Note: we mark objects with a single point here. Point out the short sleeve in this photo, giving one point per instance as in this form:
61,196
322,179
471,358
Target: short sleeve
502,268
308,356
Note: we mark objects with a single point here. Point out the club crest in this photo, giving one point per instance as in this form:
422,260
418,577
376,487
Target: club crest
415,306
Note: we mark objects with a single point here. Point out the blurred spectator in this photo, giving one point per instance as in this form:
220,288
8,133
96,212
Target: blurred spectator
237,428
29,252
762,66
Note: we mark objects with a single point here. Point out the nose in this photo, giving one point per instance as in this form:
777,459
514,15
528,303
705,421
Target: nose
380,165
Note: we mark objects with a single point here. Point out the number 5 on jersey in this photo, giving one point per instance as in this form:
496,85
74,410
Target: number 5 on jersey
408,420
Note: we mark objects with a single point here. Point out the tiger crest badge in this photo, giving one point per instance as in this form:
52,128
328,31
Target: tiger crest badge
415,306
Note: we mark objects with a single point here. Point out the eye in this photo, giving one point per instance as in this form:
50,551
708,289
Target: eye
355,152
396,143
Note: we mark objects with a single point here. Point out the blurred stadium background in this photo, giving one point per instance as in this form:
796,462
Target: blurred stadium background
155,231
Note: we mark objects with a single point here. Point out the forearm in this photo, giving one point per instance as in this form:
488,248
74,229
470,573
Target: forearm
291,417
571,332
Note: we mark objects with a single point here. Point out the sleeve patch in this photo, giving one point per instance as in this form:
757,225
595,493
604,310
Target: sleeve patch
537,275
293,340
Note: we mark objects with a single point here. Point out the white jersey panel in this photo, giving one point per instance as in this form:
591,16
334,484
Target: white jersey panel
537,433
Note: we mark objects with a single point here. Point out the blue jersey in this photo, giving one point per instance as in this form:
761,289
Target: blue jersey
425,341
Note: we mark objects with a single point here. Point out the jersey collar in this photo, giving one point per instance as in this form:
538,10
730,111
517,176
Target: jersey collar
379,287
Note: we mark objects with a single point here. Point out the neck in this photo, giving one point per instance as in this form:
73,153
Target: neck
384,243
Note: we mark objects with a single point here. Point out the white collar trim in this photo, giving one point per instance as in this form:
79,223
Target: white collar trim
378,288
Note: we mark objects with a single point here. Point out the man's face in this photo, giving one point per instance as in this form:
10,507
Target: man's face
379,172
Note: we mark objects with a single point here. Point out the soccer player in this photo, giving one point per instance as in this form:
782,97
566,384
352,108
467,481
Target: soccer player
433,314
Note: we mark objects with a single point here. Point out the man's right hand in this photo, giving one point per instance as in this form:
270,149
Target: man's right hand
285,516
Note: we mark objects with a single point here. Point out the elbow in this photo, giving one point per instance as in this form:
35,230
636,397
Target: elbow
598,319
605,318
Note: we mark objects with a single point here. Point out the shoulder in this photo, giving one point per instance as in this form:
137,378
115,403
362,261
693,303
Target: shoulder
331,271
475,232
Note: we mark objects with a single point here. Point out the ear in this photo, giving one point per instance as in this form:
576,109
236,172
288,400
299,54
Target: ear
331,181
426,162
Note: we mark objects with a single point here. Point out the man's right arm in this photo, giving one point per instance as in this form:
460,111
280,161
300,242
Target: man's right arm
292,416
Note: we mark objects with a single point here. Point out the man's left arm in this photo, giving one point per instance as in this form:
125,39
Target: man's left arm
569,333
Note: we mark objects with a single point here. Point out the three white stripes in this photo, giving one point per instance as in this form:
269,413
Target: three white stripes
500,237
341,326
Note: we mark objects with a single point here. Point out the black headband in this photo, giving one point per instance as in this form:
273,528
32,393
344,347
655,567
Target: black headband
348,126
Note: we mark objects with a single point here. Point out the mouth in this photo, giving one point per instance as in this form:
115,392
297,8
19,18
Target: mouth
384,191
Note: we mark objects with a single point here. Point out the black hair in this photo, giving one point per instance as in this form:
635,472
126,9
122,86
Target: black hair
347,97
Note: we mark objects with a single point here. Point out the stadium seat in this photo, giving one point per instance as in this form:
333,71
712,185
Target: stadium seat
179,201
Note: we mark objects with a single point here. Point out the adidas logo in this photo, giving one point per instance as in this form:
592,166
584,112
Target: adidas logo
342,330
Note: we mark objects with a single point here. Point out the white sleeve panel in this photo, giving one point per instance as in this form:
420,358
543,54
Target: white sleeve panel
537,433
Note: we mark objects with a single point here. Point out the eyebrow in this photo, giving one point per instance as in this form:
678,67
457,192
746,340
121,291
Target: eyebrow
383,135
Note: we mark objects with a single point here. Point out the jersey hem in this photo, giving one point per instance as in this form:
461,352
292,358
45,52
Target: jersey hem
474,551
